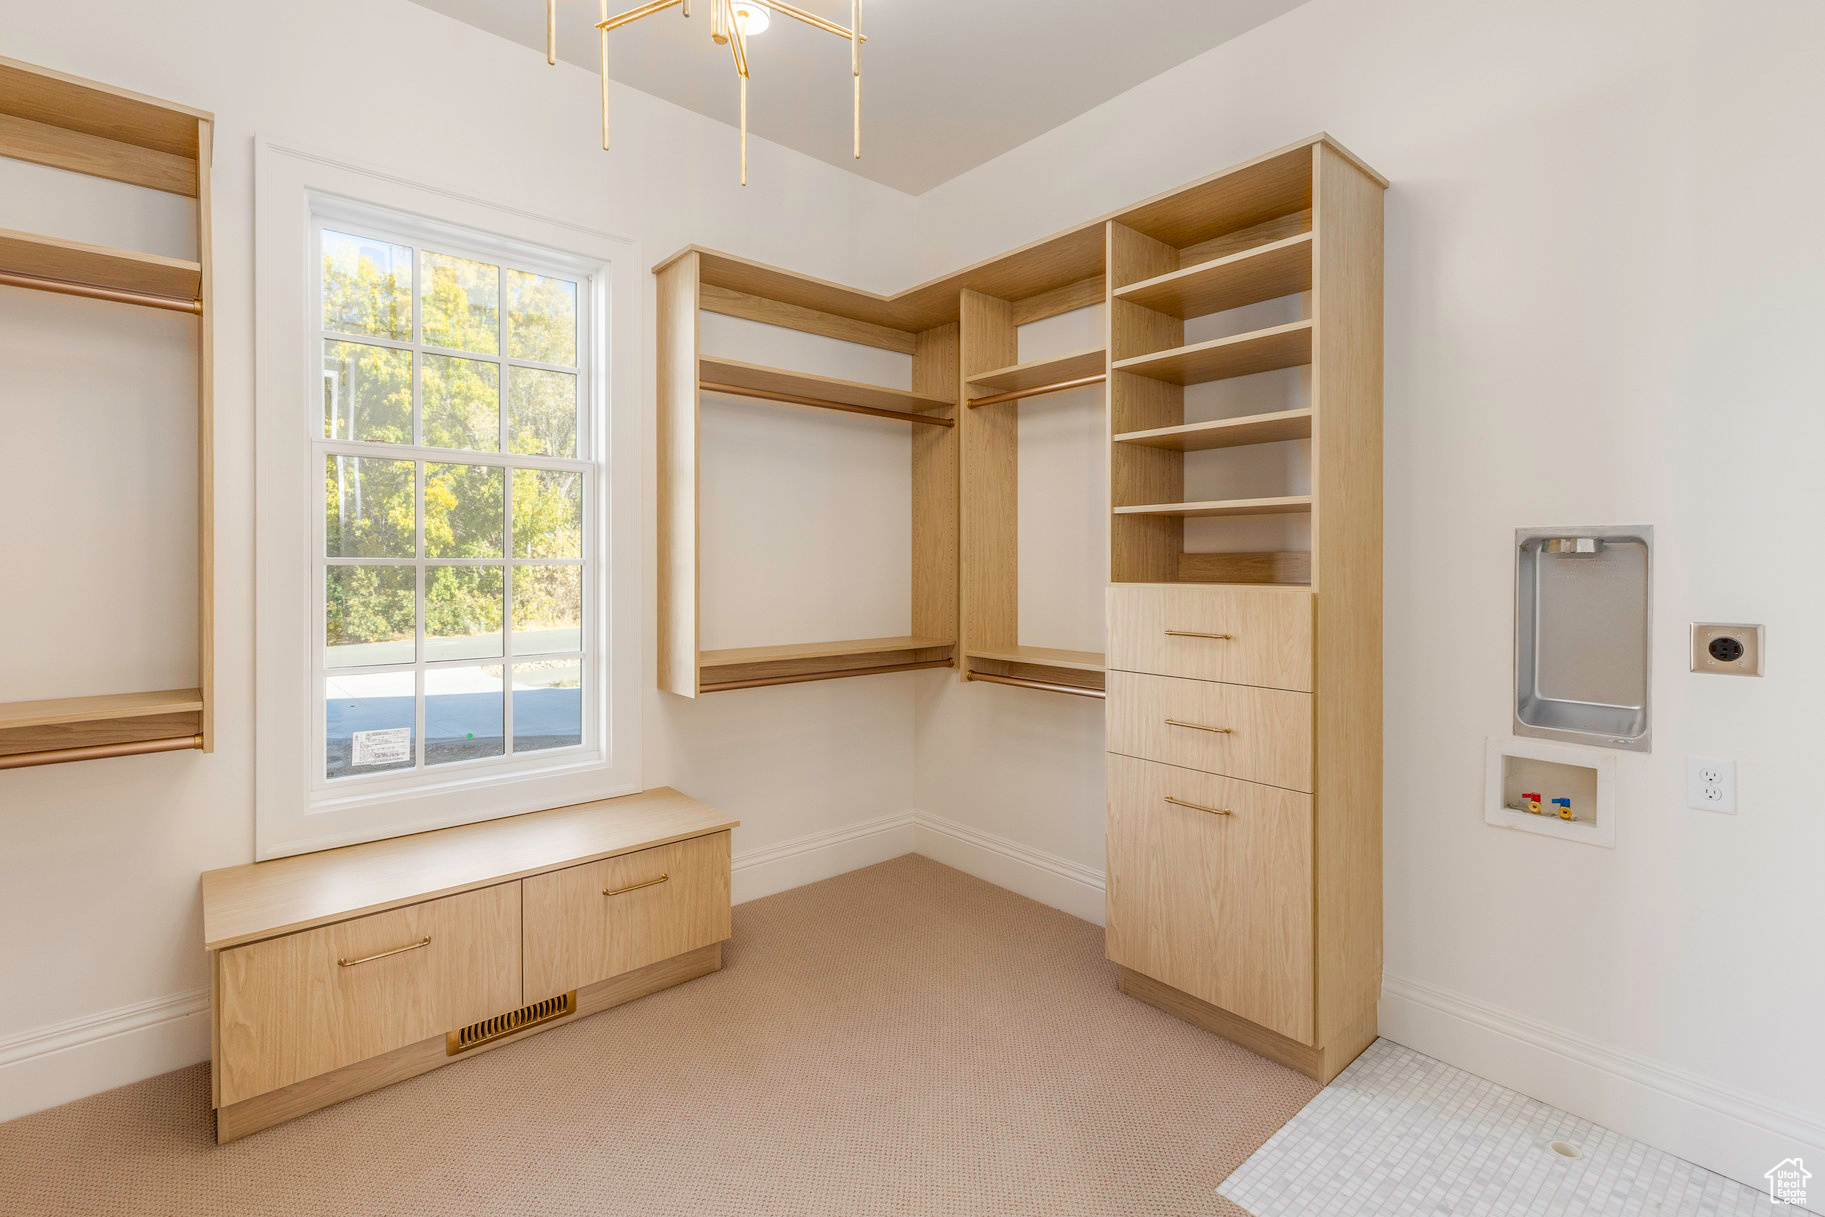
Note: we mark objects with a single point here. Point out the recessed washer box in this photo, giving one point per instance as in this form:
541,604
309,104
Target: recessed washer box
1584,778
1583,597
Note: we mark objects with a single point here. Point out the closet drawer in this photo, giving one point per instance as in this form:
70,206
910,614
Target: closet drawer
1259,735
291,1008
1217,902
1264,634
588,923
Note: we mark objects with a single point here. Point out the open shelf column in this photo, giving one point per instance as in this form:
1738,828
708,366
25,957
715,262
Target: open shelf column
994,383
86,127
694,282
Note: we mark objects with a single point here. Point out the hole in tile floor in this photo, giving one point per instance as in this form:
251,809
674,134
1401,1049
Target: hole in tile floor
1565,1149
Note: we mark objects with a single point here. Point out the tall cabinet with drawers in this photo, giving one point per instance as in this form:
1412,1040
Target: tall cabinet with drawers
1244,609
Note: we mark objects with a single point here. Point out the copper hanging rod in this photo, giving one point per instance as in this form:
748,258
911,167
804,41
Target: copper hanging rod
118,295
95,752
1042,390
825,404
1048,686
831,675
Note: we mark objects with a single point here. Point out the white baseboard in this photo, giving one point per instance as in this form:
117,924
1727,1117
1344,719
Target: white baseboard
1718,1127
823,855
50,1065
1071,886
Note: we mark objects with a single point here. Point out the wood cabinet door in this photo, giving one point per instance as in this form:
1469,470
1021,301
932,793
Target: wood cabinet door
293,1007
588,923
1217,905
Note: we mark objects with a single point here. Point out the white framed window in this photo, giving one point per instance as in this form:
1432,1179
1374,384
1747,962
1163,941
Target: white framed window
446,559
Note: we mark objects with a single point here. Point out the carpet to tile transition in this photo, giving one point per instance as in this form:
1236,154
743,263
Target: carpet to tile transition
902,1040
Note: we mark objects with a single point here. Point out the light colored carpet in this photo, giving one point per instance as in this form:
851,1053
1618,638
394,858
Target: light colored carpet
902,1040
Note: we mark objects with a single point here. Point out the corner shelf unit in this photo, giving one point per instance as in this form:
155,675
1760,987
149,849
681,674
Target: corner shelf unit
85,127
1239,237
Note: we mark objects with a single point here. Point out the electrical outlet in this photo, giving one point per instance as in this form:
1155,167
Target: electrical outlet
1711,784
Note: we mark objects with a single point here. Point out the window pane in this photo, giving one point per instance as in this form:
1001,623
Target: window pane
462,403
367,286
541,412
461,304
547,513
541,318
370,508
368,723
547,609
463,612
547,705
463,716
367,393
370,615
465,511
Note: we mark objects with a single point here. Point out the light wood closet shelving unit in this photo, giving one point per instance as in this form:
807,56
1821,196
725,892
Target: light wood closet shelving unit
79,125
1244,835
1242,686
1238,237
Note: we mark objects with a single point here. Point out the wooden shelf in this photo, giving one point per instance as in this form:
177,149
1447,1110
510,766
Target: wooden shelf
90,728
106,708
1041,372
1292,504
1226,432
804,388
1280,346
1047,669
747,667
58,100
1279,268
1051,657
174,279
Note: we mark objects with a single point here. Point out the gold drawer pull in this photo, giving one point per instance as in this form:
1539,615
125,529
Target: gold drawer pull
1215,811
410,946
1196,634
1177,722
634,887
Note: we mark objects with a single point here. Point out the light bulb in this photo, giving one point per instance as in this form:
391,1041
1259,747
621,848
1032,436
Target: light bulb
752,17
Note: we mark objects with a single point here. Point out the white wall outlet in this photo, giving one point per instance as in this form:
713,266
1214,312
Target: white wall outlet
1711,784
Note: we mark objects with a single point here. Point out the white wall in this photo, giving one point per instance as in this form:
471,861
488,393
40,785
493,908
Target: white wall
1603,305
102,979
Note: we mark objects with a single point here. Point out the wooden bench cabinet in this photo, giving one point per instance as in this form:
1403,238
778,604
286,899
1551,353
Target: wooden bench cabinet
340,972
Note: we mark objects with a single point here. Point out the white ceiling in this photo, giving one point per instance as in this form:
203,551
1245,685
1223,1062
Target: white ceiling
946,84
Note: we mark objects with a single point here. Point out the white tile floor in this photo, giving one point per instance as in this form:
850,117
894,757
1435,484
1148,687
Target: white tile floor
1400,1134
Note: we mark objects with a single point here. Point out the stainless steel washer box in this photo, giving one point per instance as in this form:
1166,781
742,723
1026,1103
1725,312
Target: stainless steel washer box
1583,639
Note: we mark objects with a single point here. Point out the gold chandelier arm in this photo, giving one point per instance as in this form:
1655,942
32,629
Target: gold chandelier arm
779,6
551,32
738,47
855,67
634,14
738,42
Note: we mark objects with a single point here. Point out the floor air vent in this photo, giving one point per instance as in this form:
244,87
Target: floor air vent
501,1025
